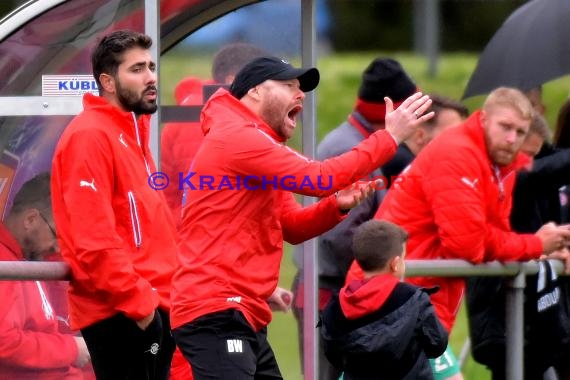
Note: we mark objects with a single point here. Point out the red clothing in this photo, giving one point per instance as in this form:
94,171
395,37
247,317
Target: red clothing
231,239
179,143
57,295
114,230
31,346
365,296
453,206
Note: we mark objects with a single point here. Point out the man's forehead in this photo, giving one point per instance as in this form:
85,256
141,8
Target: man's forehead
136,56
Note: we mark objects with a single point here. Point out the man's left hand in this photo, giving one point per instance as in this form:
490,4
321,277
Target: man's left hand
356,193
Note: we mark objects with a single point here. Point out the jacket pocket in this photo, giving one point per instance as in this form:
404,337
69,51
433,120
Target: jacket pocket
135,223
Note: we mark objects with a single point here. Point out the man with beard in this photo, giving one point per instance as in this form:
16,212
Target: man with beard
31,347
115,231
240,207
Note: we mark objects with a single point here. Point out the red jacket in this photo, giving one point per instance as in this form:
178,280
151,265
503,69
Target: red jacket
231,239
179,143
451,204
31,346
114,230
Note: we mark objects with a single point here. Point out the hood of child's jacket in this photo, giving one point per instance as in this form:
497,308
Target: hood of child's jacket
223,110
361,297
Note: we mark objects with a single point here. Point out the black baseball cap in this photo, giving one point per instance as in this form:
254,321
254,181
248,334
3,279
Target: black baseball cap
263,68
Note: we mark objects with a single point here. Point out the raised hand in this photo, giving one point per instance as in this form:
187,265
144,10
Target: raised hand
404,120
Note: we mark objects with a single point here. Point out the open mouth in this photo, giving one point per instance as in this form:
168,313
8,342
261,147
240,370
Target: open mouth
292,114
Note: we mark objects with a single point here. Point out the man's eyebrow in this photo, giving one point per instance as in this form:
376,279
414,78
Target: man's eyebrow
142,64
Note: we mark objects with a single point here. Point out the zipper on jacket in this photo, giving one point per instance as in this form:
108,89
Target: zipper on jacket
500,180
139,142
46,306
135,220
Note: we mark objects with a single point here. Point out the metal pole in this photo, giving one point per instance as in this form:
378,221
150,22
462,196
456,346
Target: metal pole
34,270
514,321
419,22
152,28
310,266
432,35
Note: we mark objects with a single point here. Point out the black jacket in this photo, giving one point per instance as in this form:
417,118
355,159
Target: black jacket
536,198
394,342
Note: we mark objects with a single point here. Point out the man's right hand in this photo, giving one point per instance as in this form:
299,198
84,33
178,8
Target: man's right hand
83,356
553,237
404,120
143,323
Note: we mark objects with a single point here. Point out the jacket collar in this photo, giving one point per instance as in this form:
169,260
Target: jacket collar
138,129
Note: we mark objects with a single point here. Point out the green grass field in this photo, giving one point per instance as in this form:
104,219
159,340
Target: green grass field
340,77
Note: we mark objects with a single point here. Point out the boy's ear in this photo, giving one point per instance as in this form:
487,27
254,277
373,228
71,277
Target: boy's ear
395,263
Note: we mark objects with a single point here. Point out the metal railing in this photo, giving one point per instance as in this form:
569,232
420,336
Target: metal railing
516,272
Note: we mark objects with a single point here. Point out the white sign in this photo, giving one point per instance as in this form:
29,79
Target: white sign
68,85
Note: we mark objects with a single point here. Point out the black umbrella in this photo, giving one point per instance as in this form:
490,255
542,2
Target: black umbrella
529,49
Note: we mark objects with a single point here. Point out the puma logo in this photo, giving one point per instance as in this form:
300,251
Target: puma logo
471,183
91,184
122,141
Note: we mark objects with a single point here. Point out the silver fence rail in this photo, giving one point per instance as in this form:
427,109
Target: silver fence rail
516,273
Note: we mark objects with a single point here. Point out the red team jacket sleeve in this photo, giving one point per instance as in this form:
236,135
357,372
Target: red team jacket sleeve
303,223
260,155
98,248
460,214
21,346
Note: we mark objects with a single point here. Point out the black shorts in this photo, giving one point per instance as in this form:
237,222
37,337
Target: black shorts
223,345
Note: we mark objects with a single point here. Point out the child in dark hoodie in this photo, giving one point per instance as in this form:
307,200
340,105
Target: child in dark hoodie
378,327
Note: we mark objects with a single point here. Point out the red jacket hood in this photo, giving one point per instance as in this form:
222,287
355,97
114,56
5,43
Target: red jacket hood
362,297
222,103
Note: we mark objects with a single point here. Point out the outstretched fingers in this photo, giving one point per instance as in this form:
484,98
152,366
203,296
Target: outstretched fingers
410,100
420,106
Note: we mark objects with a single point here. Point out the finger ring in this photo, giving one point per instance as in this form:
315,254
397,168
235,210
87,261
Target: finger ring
416,115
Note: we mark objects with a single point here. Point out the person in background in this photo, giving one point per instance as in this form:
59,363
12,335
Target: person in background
455,201
448,113
115,230
179,142
31,346
379,327
535,97
562,141
233,229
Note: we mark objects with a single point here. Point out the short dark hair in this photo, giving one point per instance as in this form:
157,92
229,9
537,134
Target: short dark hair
108,54
35,193
375,242
440,103
231,58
